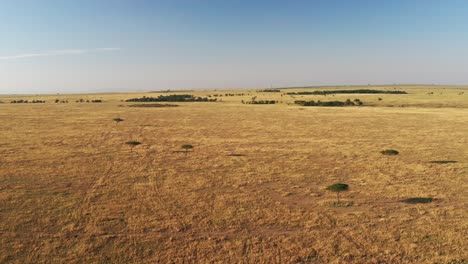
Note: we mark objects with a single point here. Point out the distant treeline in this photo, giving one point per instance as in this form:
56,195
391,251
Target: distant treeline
348,102
28,102
359,91
153,105
172,98
228,94
87,101
269,91
260,102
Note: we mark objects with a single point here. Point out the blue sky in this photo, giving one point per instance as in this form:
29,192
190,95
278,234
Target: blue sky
65,46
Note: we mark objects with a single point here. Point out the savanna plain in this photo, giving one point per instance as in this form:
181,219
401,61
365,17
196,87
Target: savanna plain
251,190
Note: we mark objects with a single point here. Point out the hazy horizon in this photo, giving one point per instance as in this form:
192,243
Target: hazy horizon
89,46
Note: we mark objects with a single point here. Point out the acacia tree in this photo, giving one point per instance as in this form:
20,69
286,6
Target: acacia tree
186,148
337,188
132,144
118,120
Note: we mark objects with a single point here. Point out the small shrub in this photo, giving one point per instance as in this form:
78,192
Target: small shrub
337,188
390,152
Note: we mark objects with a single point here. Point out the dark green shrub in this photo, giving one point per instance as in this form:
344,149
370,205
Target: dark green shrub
390,152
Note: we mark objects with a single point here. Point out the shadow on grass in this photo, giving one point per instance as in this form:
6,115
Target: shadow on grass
417,200
235,155
443,161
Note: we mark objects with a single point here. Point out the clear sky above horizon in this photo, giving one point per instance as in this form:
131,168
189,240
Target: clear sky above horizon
68,46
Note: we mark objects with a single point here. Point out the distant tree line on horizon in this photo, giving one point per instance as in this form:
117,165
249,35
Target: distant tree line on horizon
227,94
260,102
89,101
348,102
269,91
358,91
172,98
21,101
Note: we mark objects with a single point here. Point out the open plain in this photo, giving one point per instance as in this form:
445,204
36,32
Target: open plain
252,189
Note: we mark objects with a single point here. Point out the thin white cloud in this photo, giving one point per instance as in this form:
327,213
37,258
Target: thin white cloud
56,53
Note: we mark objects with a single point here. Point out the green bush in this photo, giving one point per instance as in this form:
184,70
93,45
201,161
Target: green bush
390,152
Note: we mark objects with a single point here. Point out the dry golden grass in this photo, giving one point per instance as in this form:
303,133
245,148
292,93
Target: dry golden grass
71,190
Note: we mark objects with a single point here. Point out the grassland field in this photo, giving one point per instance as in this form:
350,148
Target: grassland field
252,190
